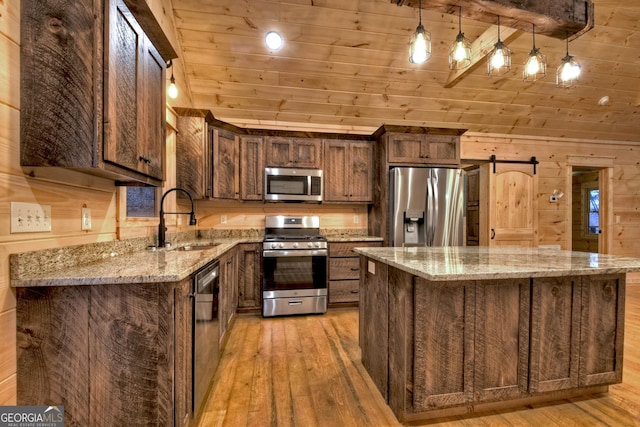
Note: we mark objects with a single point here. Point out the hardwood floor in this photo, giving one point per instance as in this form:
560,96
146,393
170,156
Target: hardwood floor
306,371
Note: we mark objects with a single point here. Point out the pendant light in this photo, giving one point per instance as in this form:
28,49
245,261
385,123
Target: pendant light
536,66
499,58
420,45
172,90
460,50
568,71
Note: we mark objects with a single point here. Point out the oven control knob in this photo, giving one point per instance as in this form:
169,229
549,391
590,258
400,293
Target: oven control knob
281,245
274,245
310,244
317,244
295,244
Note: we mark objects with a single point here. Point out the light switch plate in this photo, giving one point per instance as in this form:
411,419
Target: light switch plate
30,217
86,219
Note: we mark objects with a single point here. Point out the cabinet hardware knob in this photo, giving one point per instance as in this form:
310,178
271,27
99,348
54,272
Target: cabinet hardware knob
355,268
355,291
493,234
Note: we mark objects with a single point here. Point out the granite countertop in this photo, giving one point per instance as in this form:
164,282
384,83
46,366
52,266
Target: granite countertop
481,262
128,261
339,238
141,266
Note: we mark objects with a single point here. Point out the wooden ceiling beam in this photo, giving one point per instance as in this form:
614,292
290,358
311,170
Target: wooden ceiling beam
554,18
480,49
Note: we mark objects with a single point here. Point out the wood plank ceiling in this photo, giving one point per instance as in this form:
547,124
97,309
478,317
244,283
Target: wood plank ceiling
344,68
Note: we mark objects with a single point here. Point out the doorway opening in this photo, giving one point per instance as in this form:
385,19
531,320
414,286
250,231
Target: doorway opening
586,225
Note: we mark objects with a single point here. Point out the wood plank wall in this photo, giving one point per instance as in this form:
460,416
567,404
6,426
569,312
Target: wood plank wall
553,220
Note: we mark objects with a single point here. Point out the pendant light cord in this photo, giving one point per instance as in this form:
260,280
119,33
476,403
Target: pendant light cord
460,19
498,27
420,12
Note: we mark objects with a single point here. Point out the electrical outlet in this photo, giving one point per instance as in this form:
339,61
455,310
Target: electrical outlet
86,219
223,219
30,217
356,219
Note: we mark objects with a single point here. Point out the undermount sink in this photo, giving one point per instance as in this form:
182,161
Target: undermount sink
196,247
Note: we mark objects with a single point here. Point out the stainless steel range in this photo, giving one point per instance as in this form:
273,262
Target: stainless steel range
294,261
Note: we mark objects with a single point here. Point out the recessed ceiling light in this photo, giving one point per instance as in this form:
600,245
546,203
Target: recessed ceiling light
273,40
604,100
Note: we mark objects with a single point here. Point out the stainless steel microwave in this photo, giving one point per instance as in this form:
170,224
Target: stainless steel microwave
293,185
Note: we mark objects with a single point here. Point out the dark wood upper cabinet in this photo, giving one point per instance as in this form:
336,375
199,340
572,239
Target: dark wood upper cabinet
225,164
348,171
92,89
293,152
193,148
251,167
134,121
423,148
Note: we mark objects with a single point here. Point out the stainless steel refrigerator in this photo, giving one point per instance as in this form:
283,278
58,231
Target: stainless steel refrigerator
427,207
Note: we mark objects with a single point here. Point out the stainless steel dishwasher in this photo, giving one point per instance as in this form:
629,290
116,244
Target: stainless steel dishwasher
206,331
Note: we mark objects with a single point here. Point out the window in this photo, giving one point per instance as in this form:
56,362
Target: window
592,198
141,202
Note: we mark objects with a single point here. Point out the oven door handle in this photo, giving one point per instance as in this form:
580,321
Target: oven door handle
293,253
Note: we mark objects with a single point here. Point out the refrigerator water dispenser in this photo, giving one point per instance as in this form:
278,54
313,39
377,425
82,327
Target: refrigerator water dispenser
414,227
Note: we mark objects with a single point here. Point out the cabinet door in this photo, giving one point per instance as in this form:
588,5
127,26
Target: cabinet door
501,339
124,50
191,155
361,172
225,165
249,296
444,149
348,171
555,333
602,329
251,167
134,97
293,152
444,342
183,353
407,148
336,188
152,120
307,153
278,152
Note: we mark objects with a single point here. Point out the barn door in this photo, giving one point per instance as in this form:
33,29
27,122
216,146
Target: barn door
510,214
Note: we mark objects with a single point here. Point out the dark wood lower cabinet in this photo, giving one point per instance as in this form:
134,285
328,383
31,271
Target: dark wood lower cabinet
501,339
249,267
436,349
602,329
113,355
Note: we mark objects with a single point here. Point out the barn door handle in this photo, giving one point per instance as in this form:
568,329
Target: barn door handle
493,234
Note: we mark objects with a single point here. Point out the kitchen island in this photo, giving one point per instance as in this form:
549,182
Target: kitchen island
461,330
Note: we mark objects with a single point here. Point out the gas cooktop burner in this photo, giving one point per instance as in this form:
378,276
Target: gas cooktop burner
277,237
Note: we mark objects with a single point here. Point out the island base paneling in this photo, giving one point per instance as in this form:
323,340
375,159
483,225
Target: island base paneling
441,348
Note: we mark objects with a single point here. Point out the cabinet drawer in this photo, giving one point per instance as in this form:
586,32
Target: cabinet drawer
341,291
344,268
345,249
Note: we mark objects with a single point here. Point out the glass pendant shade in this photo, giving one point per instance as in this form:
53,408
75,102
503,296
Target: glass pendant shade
536,66
172,90
420,48
500,57
420,44
499,60
568,72
460,50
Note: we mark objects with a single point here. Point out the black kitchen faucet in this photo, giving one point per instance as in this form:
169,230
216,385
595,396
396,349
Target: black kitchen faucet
162,228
